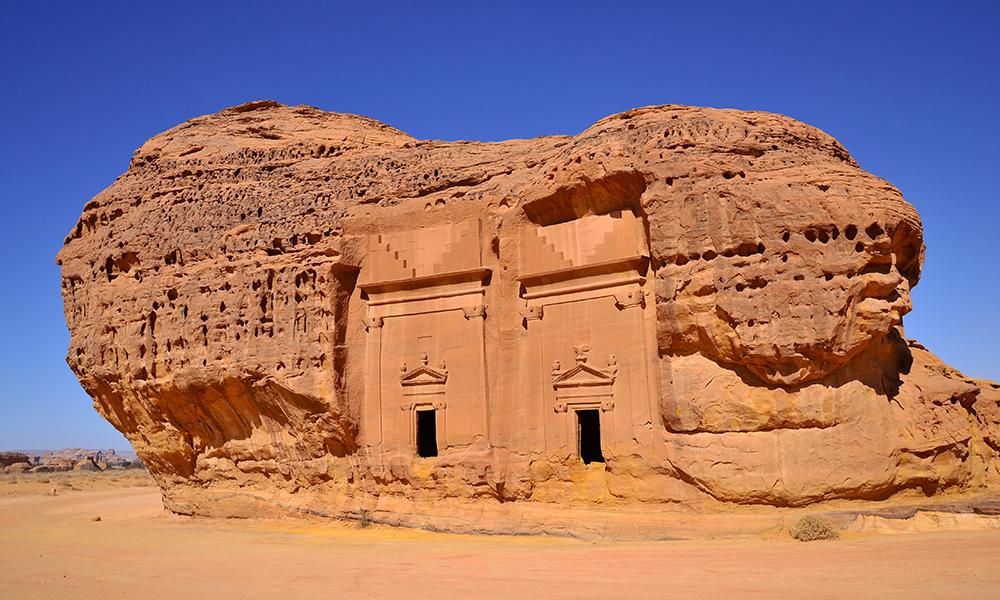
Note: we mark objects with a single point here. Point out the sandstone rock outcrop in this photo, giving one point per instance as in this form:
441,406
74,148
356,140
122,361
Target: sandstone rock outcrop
290,310
11,458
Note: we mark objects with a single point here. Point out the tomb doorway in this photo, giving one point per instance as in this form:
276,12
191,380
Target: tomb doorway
589,435
426,433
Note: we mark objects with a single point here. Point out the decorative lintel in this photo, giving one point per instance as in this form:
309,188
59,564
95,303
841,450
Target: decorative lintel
423,374
584,385
439,404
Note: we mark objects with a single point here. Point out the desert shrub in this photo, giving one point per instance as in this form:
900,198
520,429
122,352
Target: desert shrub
811,528
364,519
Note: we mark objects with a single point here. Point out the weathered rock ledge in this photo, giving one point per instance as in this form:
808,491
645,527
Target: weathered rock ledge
282,308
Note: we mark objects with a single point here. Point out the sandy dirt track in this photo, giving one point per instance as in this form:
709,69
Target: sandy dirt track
51,548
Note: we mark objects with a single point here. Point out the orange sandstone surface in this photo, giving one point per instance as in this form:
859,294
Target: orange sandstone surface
290,311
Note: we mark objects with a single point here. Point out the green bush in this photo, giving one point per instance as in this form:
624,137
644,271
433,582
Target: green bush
810,528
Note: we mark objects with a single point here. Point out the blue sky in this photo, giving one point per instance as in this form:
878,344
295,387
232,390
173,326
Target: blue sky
911,88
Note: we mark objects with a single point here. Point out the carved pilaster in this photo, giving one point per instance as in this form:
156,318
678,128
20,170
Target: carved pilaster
372,410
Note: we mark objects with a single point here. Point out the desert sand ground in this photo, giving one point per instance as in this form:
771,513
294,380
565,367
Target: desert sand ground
51,547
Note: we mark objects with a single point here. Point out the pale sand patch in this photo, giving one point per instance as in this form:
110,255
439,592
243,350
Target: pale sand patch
51,548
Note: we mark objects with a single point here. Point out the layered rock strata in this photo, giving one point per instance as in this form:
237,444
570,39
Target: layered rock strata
287,310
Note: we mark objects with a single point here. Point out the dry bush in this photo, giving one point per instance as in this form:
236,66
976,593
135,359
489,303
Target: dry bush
811,528
364,519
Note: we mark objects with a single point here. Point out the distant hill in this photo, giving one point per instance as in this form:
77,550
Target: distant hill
65,459
128,453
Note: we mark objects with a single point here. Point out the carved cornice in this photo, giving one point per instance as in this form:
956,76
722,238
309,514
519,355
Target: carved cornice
477,275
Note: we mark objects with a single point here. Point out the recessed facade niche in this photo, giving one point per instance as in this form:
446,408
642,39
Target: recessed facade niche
577,382
425,349
589,344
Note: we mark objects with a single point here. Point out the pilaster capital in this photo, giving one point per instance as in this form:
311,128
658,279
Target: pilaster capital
630,299
532,313
475,312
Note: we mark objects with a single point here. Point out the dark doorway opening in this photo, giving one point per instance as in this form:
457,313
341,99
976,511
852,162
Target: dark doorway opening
589,428
427,433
